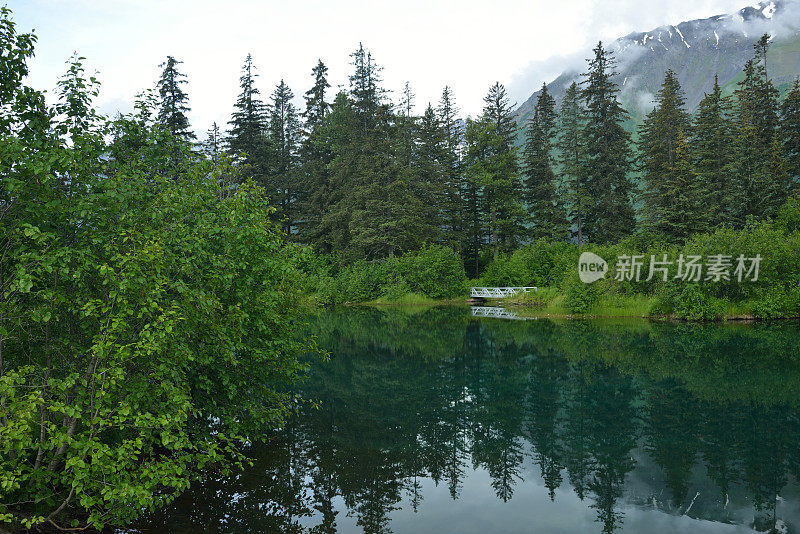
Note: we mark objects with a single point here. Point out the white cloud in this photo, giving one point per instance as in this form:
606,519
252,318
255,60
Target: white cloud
466,44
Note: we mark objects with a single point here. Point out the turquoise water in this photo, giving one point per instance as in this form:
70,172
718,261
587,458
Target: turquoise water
436,421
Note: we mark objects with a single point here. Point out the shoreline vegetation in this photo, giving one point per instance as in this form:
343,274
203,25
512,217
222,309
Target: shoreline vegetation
526,310
436,276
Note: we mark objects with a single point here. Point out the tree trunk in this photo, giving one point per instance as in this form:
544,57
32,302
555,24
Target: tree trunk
494,233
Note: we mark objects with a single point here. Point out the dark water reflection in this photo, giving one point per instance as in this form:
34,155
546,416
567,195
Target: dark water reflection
440,422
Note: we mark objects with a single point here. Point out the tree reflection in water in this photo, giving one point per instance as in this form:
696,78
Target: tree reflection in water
699,420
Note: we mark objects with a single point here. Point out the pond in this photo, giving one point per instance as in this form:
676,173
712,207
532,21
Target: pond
437,421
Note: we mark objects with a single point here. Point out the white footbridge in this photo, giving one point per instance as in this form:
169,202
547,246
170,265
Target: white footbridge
498,292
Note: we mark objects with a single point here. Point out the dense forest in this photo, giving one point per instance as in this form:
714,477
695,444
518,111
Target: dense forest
362,177
359,176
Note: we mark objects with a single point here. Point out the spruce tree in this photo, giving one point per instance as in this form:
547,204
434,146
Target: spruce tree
316,105
376,214
454,209
406,124
378,204
711,146
790,134
781,184
430,182
765,94
757,191
668,207
498,110
540,185
174,101
494,169
476,154
247,137
367,95
284,136
572,157
609,211
335,195
315,156
750,157
682,210
212,146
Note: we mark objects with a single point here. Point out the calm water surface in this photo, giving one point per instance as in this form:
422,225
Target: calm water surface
438,421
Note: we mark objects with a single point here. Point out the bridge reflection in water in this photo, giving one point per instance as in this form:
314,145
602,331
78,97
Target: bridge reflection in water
496,312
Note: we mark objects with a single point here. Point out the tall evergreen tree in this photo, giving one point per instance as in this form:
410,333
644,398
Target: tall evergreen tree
757,192
212,146
685,214
765,94
749,154
498,110
406,124
174,101
430,181
315,155
284,134
247,137
367,95
572,157
609,212
781,183
376,213
670,207
382,210
331,233
790,134
540,185
316,105
494,169
454,210
711,146
473,204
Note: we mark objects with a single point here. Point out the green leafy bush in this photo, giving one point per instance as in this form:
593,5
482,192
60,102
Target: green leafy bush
777,301
578,296
538,264
435,272
147,322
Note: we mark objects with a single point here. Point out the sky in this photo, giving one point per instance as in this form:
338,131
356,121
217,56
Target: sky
430,43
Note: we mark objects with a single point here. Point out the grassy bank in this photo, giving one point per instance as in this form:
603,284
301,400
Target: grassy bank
550,302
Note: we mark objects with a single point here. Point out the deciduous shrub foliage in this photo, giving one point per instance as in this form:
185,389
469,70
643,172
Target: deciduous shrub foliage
146,322
435,272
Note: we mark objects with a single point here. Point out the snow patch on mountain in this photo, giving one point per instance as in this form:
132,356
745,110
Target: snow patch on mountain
696,50
682,38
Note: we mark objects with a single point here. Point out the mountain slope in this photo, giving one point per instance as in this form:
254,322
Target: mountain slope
696,50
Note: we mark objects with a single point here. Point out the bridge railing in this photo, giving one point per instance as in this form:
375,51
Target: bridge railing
498,292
